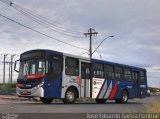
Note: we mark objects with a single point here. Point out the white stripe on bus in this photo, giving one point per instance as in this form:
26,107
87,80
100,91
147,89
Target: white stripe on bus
108,91
102,93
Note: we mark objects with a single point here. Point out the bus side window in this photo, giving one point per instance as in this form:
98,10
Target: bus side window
127,74
142,76
55,67
108,70
118,73
98,71
72,66
135,77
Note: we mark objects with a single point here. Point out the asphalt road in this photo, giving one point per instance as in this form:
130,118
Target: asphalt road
137,105
149,104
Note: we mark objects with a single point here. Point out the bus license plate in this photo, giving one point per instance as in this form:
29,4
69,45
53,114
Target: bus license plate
25,92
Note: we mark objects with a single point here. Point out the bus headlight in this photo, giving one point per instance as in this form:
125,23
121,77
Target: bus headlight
40,85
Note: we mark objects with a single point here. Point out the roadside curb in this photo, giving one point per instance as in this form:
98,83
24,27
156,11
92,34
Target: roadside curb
14,97
10,97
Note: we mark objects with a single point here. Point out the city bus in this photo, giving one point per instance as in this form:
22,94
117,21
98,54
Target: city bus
52,75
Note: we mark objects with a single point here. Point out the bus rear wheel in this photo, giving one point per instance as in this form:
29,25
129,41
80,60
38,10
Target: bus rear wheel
70,96
101,101
46,100
124,97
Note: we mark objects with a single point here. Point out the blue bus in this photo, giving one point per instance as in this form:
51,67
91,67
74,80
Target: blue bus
52,75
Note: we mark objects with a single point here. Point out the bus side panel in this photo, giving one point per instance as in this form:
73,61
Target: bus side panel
105,89
110,89
52,88
98,88
125,85
143,87
113,90
67,82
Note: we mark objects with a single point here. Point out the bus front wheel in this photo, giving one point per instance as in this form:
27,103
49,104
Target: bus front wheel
70,96
46,100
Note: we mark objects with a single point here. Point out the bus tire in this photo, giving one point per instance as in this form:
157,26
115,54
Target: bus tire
101,101
46,100
118,100
124,97
70,96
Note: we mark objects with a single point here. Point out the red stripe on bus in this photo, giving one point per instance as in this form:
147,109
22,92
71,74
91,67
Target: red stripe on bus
34,76
114,90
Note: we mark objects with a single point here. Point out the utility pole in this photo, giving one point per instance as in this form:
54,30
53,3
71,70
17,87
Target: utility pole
91,32
9,77
4,68
12,56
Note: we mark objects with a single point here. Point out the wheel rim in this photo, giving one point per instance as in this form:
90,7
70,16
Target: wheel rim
70,96
125,97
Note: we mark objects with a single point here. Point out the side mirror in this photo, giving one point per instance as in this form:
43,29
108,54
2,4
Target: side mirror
15,65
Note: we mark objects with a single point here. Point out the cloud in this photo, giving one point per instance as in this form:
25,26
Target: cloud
135,25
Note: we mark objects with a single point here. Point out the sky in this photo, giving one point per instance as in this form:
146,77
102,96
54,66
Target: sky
135,25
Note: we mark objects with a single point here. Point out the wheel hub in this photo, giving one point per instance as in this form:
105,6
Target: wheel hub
70,96
125,97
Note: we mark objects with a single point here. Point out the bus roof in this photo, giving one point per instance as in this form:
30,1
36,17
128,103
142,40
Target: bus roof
116,64
52,52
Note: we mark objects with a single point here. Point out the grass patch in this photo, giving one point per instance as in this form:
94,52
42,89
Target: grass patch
153,107
7,87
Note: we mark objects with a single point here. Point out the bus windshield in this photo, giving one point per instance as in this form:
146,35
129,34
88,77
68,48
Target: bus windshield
31,68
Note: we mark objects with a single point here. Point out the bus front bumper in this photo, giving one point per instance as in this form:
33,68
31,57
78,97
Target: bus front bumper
34,92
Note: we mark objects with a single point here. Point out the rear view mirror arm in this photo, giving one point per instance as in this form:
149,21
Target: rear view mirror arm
15,65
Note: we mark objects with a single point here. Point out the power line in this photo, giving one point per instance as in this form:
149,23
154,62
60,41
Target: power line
8,2
102,42
41,32
40,20
94,44
47,25
51,22
19,9
43,19
98,50
84,53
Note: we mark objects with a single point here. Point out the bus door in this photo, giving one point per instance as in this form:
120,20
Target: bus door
85,80
136,85
143,84
54,78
